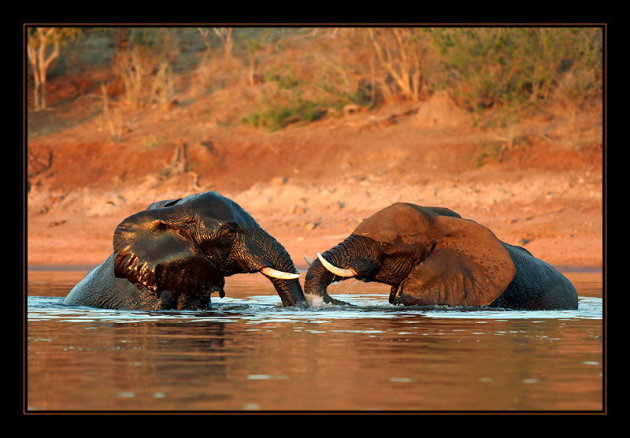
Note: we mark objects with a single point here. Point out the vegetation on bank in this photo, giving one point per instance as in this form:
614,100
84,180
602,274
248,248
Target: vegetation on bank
305,74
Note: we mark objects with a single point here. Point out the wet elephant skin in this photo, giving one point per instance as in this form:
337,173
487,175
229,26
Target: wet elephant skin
176,253
433,256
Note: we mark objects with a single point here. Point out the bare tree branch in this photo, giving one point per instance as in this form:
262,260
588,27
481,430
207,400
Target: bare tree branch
36,49
225,34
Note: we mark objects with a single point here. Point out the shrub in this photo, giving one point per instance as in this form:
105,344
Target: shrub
519,66
277,116
144,69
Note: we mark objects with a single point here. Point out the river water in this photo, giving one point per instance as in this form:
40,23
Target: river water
249,354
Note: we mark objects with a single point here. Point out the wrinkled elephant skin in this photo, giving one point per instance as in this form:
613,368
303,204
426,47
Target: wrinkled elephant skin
433,256
176,253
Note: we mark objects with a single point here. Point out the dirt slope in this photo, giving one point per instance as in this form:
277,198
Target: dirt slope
537,184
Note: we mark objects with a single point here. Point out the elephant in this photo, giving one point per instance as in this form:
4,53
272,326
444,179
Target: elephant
175,253
433,256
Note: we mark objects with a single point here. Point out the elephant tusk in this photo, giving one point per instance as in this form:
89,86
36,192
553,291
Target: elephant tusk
309,261
274,273
340,272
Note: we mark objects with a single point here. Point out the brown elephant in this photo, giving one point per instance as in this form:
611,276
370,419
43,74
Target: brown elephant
431,255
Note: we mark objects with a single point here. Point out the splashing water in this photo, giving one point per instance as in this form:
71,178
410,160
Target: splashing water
266,308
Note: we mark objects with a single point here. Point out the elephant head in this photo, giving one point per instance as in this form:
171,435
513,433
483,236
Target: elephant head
428,255
187,246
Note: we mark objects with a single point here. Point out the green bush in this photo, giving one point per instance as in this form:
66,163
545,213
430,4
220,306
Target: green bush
277,116
505,69
515,67
286,78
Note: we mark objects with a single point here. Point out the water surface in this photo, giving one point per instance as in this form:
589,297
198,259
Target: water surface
248,353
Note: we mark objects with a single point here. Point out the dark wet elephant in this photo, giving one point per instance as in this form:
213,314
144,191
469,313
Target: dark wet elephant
431,255
175,253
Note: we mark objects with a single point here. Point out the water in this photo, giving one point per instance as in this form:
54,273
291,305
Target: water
249,354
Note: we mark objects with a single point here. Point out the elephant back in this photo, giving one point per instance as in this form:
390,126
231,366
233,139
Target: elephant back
537,285
100,288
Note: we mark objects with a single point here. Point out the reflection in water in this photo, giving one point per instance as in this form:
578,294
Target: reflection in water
247,353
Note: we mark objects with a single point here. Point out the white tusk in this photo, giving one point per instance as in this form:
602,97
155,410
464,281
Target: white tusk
309,261
270,272
335,270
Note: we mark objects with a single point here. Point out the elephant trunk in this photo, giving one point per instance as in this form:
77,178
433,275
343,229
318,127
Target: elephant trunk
317,280
354,257
290,292
274,262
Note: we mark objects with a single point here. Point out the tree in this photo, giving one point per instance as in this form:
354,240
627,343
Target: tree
401,52
225,34
39,39
40,42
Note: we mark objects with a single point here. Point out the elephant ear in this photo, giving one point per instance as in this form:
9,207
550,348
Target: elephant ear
151,249
468,266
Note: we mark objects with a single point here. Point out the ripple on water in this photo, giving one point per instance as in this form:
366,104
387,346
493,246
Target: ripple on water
267,308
